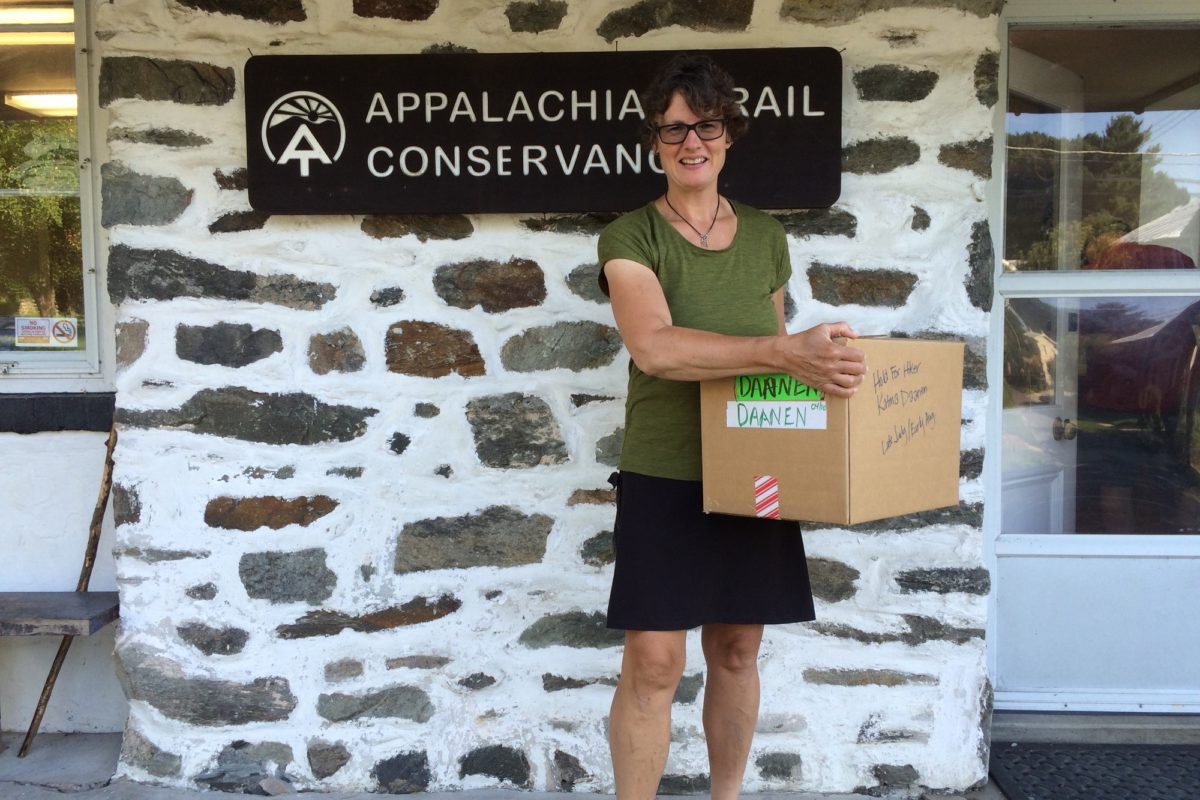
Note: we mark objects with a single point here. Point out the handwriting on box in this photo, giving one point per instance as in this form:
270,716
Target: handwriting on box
902,396
775,401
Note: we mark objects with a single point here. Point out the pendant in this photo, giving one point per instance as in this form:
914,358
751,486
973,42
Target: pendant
704,240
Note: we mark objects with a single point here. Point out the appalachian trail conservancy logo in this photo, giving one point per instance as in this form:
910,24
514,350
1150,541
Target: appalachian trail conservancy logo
303,127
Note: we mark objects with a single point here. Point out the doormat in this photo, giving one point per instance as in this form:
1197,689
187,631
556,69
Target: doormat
1032,771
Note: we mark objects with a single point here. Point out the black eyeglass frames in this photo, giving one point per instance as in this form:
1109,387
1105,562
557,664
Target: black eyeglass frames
706,129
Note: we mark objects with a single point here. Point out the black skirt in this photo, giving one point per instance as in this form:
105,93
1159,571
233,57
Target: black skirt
678,567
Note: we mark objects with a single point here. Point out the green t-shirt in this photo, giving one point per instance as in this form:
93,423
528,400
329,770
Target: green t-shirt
725,291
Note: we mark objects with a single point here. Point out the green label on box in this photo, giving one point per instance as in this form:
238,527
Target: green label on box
749,388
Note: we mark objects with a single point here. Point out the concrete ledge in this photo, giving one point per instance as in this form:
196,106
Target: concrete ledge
1086,728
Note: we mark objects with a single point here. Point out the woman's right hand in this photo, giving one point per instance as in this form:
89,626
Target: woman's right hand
822,363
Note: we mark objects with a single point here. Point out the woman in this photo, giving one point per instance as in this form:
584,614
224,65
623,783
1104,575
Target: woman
697,284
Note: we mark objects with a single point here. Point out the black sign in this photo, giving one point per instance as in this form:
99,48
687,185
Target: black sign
527,132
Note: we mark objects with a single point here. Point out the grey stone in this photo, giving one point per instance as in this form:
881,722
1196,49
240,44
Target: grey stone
894,82
566,772
144,754
165,275
343,669
127,505
226,344
187,82
969,514
807,222
584,282
987,78
557,683
877,156
608,448
981,260
426,410
206,702
684,784
592,497
326,622
493,285
895,774
789,306
237,221
832,581
252,513
973,156
298,576
579,400
841,286
515,431
130,198
346,472
970,463
214,641
901,38
154,555
588,224
404,702
405,10
688,688
336,351
477,680
248,768
698,15
945,580
497,536
920,219
423,226
836,12
785,766
921,629
598,551
167,137
399,443
432,350
326,758
866,677
536,16
873,732
572,629
239,413
417,662
276,12
573,345
131,341
448,47
202,591
385,298
497,761
403,773
234,180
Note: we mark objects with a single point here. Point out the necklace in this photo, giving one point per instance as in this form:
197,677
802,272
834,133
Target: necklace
703,236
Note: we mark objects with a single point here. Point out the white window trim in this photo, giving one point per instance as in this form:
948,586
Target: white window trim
92,369
1055,13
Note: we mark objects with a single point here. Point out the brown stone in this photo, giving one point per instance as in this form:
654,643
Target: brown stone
973,156
877,156
840,286
592,497
131,341
423,226
866,677
832,581
251,513
274,11
493,285
324,622
432,350
836,12
698,15
337,351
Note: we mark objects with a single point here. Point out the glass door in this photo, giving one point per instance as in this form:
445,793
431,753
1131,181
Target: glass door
1098,550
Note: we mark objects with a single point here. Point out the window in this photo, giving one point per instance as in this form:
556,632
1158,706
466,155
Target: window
47,284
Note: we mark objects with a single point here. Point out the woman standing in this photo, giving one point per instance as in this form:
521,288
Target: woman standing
697,282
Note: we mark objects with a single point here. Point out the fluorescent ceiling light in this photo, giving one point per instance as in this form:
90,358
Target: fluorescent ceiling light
32,15
36,37
44,104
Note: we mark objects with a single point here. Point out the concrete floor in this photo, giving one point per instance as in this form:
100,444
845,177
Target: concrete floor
81,766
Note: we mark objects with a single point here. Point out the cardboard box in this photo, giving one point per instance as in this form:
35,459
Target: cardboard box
891,449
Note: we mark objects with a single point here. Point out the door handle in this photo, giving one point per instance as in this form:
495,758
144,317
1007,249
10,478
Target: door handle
1063,429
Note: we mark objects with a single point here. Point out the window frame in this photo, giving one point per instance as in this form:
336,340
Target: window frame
90,369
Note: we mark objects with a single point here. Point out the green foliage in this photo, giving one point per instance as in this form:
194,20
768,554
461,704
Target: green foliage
41,258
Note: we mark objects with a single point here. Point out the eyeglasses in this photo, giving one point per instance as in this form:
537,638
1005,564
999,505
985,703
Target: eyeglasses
706,129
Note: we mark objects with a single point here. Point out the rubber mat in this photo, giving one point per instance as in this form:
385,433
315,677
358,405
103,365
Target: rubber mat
1030,771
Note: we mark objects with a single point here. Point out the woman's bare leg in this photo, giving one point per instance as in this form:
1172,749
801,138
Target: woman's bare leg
730,702
640,721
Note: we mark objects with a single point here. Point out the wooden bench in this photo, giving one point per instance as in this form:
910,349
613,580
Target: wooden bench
56,614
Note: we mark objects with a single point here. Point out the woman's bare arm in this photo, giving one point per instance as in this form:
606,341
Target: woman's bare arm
664,350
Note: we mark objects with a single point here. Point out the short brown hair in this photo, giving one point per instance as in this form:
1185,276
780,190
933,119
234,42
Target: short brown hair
706,87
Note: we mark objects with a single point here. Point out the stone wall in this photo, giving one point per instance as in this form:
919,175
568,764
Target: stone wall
363,523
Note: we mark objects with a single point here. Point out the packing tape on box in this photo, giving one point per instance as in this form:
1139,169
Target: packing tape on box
766,497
